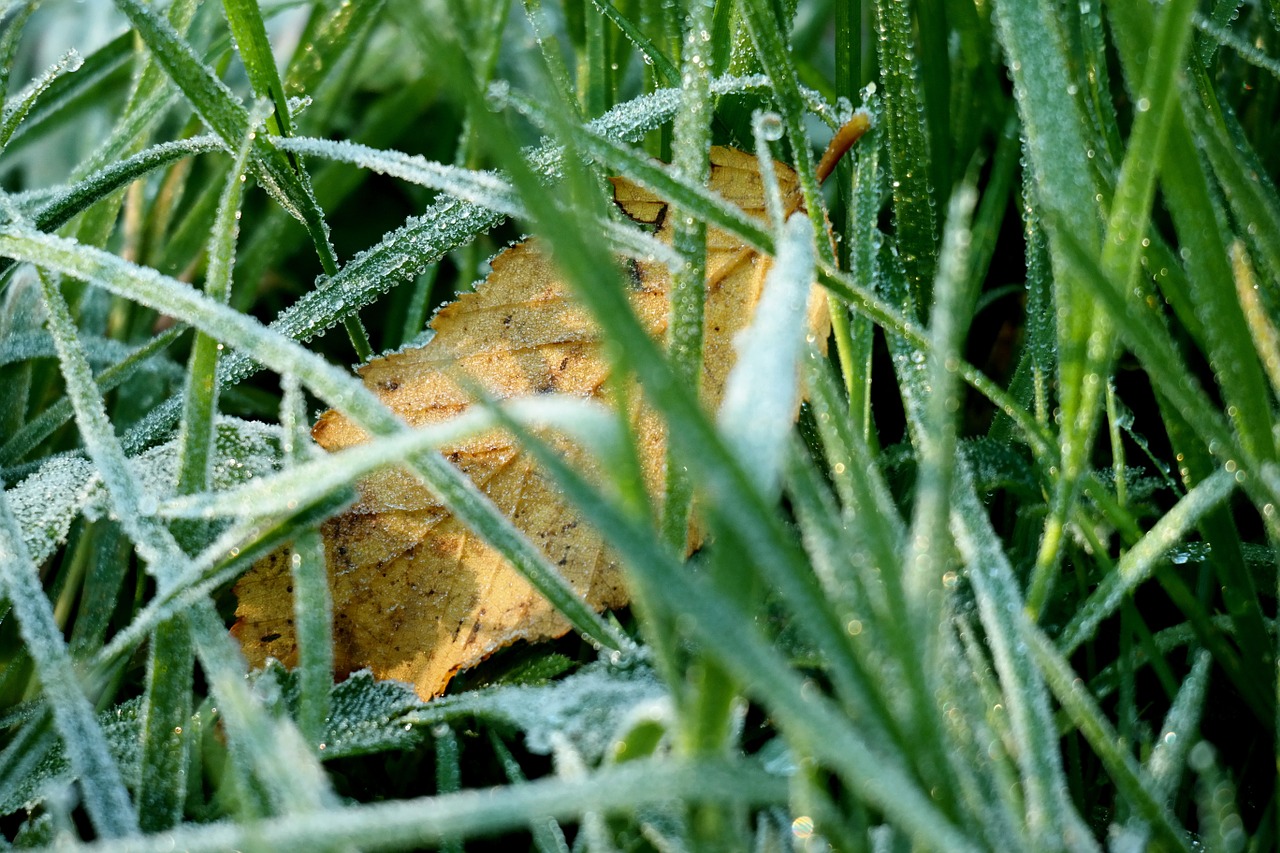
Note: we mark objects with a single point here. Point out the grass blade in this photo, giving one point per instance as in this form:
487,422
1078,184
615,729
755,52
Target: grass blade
909,155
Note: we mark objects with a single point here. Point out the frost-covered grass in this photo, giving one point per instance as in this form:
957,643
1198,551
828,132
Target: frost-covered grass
1011,583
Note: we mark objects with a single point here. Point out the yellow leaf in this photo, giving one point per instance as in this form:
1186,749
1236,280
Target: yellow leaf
417,596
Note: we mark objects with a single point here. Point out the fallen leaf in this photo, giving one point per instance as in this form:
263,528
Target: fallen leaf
417,596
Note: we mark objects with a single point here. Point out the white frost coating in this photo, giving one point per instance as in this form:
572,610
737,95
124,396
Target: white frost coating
587,422
763,389
590,708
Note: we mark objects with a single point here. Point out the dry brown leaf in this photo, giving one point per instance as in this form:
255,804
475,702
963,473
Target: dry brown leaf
417,596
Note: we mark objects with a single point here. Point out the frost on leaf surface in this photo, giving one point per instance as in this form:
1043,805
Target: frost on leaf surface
53,773
365,716
48,501
243,450
590,709
416,595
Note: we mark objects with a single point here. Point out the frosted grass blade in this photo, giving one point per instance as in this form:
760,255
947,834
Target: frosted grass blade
762,391
427,821
170,666
691,140
484,189
854,597
99,68
1106,743
312,604
106,800
310,481
17,107
219,658
1055,144
1049,814
868,506
1179,733
935,433
1053,130
226,558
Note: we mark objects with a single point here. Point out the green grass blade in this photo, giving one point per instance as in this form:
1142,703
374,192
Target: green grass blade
771,48
1252,198
216,104
1266,340
1139,561
666,70
250,34
9,39
714,620
909,155
162,783
1092,346
691,139
101,184
312,605
324,47
200,401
